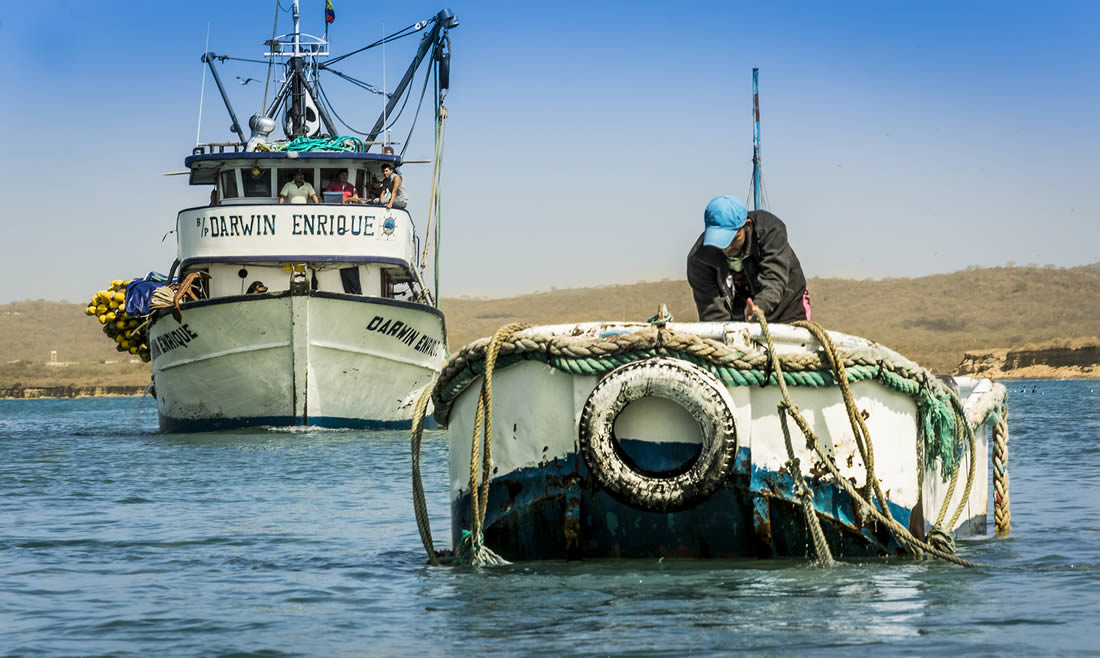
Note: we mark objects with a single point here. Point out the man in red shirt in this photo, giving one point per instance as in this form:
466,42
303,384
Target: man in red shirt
341,184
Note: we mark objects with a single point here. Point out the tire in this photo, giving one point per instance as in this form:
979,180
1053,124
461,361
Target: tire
684,383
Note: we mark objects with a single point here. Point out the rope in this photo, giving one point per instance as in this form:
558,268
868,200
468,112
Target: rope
476,553
788,407
859,427
805,496
343,143
1001,513
436,163
421,508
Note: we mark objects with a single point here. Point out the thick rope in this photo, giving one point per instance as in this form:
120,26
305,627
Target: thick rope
805,496
478,553
787,406
1001,512
855,418
421,508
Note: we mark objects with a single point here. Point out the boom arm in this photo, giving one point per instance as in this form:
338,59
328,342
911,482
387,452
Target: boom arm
444,20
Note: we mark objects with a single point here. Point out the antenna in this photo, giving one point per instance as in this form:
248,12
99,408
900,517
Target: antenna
756,173
385,135
202,90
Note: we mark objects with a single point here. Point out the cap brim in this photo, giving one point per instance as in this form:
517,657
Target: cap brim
716,236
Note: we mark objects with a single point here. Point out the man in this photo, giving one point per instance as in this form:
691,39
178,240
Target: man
341,184
298,190
393,193
743,263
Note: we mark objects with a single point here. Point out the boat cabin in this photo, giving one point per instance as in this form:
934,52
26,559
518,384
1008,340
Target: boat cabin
244,242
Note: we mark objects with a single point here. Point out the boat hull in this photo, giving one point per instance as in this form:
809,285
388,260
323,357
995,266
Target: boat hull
545,503
317,359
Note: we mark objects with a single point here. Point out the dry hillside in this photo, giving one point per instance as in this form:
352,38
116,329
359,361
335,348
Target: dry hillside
933,319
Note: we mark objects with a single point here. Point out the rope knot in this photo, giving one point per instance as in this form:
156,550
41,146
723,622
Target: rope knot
941,540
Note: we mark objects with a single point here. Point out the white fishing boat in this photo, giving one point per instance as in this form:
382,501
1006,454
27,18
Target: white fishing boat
301,314
711,439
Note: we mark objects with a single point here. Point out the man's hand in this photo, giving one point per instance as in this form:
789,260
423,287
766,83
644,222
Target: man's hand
750,309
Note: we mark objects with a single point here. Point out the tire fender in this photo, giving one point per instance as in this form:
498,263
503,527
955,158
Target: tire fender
689,386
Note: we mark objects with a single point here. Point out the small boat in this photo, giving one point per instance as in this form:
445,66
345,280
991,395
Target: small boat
292,314
717,439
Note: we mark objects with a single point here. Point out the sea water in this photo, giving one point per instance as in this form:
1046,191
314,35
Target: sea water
118,540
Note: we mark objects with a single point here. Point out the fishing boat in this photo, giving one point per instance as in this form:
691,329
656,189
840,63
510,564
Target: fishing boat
716,439
291,314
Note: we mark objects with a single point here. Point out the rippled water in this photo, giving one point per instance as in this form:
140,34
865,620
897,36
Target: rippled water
117,540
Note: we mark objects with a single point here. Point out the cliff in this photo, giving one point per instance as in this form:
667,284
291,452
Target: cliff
70,391
1051,361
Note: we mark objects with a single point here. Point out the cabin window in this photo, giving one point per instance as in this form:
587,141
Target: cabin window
229,183
287,175
328,176
257,184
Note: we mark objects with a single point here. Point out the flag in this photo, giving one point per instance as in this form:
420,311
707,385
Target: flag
330,13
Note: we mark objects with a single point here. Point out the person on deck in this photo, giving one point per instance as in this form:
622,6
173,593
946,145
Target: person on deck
393,192
341,184
742,263
298,190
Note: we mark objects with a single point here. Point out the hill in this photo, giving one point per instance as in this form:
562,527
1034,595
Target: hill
934,320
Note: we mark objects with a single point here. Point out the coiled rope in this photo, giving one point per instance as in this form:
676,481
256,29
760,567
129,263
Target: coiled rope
343,143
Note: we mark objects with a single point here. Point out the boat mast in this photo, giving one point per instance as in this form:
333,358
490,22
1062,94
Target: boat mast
756,173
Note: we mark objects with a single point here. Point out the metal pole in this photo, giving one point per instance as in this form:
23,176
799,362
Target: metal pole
236,127
756,173
425,43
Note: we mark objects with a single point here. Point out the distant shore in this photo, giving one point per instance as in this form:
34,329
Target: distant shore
63,392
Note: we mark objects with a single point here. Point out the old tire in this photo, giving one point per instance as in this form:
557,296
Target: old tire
684,383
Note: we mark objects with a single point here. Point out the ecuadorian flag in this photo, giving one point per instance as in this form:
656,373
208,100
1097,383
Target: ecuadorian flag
330,13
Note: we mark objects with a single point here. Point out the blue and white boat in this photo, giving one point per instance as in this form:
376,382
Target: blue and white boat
664,439
301,314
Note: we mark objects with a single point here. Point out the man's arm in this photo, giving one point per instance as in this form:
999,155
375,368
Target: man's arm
710,301
396,186
774,268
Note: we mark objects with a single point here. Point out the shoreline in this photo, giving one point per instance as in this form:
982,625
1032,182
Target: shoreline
74,392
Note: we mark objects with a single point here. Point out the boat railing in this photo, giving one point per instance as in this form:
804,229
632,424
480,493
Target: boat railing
217,147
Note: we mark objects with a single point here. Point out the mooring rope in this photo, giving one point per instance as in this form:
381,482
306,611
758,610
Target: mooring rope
1001,513
787,406
473,550
419,506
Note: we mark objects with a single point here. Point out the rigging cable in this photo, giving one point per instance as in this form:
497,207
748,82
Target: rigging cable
323,97
239,59
419,103
393,37
271,59
359,83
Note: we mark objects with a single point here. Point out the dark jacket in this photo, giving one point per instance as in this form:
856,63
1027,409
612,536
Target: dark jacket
773,275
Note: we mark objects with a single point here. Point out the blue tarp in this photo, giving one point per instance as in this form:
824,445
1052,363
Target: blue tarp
139,293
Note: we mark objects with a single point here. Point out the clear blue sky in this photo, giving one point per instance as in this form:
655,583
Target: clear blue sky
584,140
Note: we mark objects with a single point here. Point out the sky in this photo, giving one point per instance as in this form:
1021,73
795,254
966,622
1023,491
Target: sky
584,139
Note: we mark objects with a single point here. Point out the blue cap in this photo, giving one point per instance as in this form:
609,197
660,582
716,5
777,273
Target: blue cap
723,218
